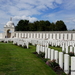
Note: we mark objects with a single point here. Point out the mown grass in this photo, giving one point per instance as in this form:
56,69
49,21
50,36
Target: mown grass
56,48
16,60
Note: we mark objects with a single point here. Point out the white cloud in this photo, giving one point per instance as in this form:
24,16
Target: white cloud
26,9
68,4
31,19
59,1
26,6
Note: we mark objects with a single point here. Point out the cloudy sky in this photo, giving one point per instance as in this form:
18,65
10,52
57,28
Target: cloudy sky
33,10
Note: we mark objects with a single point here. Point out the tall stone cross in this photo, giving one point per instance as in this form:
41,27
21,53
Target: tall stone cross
10,18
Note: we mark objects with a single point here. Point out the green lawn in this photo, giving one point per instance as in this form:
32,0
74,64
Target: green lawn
56,48
16,60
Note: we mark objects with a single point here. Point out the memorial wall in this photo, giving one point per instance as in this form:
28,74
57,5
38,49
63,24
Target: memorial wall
58,35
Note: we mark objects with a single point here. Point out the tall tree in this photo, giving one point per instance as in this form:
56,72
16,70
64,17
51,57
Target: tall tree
60,26
25,25
22,25
52,27
47,24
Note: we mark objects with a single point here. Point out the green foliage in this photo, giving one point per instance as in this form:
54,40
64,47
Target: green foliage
71,53
52,63
25,25
45,60
41,54
22,25
60,26
55,66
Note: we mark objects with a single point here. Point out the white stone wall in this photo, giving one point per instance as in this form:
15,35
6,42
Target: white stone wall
1,35
45,35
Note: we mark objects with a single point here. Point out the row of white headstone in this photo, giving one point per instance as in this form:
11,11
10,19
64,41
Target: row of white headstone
59,57
68,49
4,40
67,46
21,42
60,42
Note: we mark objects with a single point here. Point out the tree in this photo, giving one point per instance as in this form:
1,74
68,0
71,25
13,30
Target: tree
52,26
36,23
60,26
25,25
22,25
31,27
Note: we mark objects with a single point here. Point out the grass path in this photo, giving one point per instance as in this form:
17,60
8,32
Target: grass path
15,60
56,48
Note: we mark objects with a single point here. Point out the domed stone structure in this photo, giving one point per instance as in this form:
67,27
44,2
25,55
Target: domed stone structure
9,29
9,24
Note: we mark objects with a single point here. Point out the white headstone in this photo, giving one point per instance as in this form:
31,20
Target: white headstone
63,46
66,49
71,49
66,63
38,49
43,49
52,54
46,52
61,59
49,53
72,65
56,56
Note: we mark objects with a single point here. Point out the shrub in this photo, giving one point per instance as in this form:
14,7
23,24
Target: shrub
41,54
52,63
48,62
71,53
55,66
45,60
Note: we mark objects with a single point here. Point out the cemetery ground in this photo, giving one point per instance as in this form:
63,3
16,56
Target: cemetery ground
59,49
15,60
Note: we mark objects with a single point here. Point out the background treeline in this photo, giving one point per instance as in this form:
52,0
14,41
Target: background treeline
25,25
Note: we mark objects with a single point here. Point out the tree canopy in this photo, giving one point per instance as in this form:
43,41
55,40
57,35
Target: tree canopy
25,25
